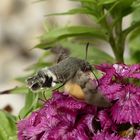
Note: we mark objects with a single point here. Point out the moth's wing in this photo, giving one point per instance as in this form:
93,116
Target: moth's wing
61,57
82,87
90,90
96,99
60,52
63,54
93,96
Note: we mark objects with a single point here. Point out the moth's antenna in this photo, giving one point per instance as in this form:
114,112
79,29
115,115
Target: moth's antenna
86,50
92,71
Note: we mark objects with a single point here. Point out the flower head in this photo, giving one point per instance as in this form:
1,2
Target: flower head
106,121
105,136
114,78
61,116
126,71
127,108
137,137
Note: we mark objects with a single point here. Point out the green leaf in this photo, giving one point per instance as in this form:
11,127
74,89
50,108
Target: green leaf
134,36
135,15
30,104
20,90
103,2
134,43
123,8
136,4
91,1
8,130
95,55
45,94
81,10
15,90
72,31
38,66
109,10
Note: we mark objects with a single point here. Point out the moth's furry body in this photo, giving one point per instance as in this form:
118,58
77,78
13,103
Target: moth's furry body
70,70
66,69
59,73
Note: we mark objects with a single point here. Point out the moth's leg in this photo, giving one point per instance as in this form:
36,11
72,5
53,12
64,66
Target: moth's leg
59,87
63,82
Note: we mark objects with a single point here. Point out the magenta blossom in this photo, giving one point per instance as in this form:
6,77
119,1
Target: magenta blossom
61,117
113,136
106,121
127,108
121,70
105,136
116,77
116,88
137,137
64,118
126,71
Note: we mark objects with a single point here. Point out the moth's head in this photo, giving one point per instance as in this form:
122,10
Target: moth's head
35,82
86,66
40,80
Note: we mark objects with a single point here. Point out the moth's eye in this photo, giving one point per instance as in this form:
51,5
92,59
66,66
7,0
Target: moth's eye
86,68
34,82
35,86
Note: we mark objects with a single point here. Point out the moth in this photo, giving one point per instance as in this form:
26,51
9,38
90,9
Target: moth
75,75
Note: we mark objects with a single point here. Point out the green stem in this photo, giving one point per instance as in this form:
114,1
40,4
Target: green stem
117,42
105,24
120,50
120,42
116,37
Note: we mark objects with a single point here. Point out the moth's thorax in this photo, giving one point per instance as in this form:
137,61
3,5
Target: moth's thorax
66,69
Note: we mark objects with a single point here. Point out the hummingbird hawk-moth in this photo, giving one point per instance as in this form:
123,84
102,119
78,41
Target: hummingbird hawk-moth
74,74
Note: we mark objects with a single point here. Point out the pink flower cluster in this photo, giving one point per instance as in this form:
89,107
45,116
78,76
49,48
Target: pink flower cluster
64,118
119,84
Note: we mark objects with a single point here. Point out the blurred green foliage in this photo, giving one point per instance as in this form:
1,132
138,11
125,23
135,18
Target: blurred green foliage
8,130
108,16
134,39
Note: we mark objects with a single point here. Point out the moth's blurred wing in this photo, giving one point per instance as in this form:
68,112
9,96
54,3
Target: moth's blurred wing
96,99
93,96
